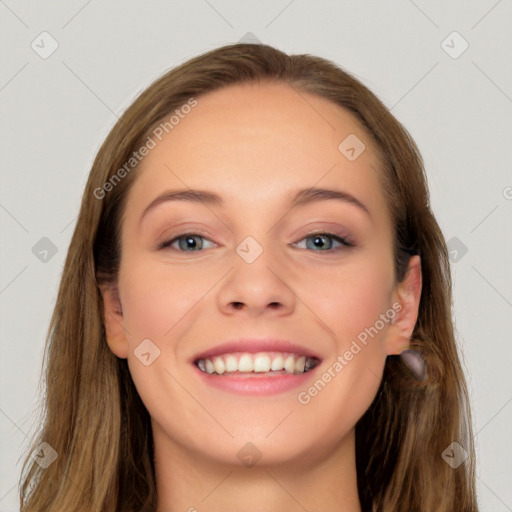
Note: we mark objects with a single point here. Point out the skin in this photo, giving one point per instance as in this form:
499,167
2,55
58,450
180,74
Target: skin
255,145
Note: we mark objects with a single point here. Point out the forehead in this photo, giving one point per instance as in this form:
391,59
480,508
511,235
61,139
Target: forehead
253,142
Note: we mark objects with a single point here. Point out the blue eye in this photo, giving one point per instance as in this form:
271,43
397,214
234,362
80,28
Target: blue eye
319,238
188,242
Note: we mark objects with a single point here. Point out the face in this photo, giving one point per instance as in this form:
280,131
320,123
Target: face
283,273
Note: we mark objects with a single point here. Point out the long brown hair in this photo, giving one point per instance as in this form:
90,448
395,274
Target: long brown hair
93,416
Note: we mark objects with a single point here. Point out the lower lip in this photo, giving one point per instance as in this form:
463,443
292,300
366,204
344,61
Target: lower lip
256,384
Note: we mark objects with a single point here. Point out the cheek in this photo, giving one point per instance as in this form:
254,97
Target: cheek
158,304
355,304
352,306
351,298
157,297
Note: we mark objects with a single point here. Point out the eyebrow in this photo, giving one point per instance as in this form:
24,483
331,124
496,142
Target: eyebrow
302,197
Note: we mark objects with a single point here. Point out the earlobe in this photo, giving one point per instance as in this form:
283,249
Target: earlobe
406,300
113,321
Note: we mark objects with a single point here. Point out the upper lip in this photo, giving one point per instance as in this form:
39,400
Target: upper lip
253,346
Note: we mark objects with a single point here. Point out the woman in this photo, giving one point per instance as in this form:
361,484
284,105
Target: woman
203,355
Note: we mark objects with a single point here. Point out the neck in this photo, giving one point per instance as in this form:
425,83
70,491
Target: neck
189,481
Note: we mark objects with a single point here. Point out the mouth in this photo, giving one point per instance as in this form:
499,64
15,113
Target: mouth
256,367
263,364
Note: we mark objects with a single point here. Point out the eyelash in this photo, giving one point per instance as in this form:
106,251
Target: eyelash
342,240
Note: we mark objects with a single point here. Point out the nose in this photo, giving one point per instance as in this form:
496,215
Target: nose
260,287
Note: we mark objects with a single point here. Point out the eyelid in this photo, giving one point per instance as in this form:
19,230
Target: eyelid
168,241
333,231
180,230
342,239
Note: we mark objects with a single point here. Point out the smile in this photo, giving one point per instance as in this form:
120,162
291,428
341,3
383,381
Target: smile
269,363
256,366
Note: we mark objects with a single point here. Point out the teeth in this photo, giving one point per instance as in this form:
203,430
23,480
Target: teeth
231,364
277,363
299,364
289,364
209,366
245,364
261,363
258,363
219,366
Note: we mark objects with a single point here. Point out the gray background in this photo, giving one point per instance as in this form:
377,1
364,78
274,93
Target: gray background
56,111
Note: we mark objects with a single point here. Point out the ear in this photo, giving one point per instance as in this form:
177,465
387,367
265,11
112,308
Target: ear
405,302
113,320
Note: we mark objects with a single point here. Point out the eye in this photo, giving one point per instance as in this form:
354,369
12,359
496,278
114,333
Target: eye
318,242
187,242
